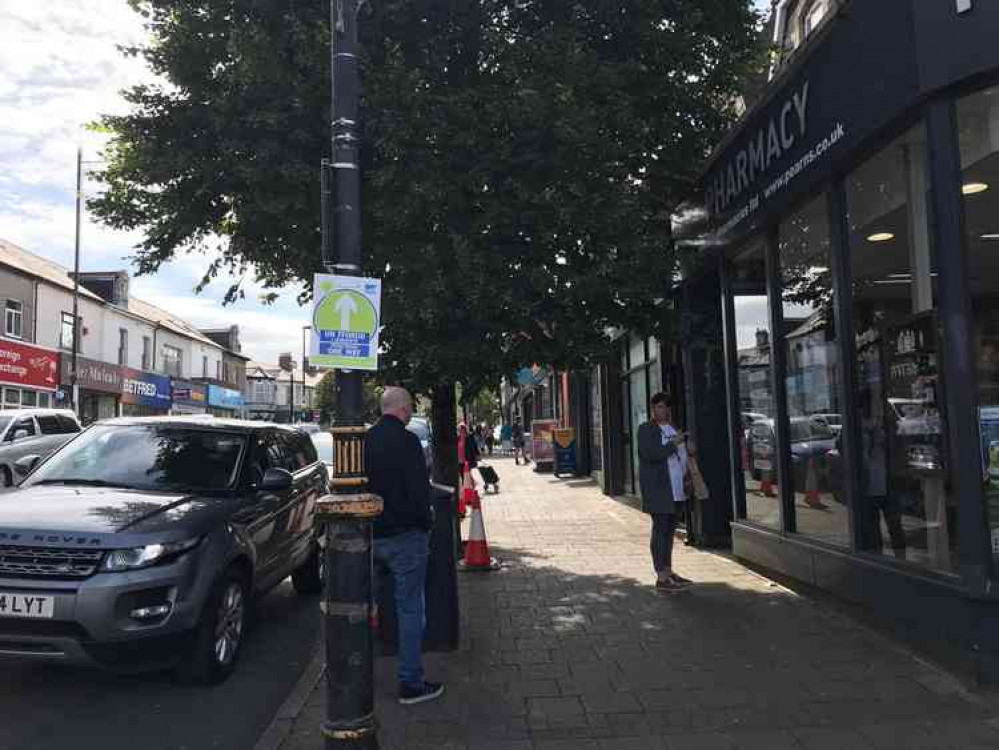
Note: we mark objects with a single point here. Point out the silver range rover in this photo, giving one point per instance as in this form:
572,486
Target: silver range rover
142,541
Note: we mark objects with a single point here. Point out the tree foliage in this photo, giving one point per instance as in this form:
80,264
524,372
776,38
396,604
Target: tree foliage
521,159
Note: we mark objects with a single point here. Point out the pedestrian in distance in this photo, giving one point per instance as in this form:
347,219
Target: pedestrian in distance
662,458
518,445
487,437
397,472
506,439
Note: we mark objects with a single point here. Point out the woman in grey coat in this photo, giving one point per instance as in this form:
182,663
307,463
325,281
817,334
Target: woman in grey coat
662,458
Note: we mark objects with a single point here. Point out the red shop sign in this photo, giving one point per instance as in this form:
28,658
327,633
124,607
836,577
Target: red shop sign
21,364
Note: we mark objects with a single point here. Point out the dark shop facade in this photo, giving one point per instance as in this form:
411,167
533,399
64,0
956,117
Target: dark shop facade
850,281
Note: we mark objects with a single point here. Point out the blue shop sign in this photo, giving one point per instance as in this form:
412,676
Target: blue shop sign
144,388
224,398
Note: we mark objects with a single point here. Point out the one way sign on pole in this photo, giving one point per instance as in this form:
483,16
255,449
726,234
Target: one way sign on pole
346,314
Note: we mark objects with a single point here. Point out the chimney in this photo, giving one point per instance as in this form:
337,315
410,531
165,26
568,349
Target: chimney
762,338
111,286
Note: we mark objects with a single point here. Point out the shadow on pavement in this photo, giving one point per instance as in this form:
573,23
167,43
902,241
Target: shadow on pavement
564,652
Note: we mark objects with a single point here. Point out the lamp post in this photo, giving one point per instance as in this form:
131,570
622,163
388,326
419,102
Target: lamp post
347,515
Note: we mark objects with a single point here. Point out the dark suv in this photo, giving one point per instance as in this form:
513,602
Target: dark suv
142,541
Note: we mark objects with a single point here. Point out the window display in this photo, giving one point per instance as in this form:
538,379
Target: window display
812,382
905,499
756,436
978,127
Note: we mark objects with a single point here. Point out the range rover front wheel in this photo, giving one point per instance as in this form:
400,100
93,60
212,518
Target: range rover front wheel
219,636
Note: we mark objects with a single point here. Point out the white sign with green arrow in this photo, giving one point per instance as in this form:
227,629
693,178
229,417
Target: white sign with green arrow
346,312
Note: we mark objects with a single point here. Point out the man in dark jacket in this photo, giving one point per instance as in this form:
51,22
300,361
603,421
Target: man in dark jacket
397,472
662,462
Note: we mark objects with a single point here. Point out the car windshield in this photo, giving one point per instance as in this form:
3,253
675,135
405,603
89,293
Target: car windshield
419,428
324,446
4,421
146,457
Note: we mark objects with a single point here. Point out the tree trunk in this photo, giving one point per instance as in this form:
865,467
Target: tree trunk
445,434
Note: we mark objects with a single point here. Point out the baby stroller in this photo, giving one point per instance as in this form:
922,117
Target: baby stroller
489,477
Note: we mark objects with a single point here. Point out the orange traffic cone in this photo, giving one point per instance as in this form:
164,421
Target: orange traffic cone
812,497
477,556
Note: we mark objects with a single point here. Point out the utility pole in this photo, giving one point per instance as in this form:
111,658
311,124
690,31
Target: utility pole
73,394
346,166
348,514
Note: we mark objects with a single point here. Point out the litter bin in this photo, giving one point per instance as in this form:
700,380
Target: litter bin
443,617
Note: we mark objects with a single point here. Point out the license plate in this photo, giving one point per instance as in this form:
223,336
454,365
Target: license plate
763,465
26,605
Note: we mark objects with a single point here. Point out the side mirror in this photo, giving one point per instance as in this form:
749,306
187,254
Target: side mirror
277,480
24,466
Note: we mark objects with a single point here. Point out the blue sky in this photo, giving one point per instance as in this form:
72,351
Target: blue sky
59,69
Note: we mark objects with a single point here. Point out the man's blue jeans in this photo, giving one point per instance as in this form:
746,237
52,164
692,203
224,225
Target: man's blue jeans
405,555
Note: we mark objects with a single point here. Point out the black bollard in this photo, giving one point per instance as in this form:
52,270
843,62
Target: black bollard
347,605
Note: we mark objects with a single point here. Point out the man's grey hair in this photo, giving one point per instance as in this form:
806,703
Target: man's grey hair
395,398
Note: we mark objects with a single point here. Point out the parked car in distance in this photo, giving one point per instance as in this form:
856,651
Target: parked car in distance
323,443
809,440
420,426
142,542
833,421
308,428
32,432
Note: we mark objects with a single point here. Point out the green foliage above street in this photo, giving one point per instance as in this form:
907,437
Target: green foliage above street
521,160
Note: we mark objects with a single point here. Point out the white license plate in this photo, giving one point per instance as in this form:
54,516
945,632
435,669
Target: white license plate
26,605
763,465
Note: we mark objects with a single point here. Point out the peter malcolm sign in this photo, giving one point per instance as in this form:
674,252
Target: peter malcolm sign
774,148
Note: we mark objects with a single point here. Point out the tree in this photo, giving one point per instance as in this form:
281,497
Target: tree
521,162
327,398
326,395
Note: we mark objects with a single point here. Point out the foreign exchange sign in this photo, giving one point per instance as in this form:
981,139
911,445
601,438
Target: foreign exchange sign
345,321
21,364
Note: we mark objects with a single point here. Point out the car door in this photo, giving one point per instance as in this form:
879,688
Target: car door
310,485
301,458
23,438
259,511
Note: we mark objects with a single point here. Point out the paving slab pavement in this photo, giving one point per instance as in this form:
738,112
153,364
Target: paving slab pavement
570,646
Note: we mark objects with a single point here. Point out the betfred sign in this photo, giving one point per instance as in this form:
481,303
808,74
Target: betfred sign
144,388
21,364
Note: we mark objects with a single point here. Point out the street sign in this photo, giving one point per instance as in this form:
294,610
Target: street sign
346,314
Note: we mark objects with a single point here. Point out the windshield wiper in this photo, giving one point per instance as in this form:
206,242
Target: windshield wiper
85,482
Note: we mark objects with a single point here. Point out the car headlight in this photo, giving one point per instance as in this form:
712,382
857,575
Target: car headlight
142,557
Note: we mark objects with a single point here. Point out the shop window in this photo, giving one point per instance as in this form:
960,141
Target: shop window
814,413
978,126
14,319
44,400
639,399
905,504
596,422
29,398
11,398
147,349
756,434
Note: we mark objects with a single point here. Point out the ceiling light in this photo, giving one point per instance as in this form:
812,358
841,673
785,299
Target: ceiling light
880,237
973,188
990,236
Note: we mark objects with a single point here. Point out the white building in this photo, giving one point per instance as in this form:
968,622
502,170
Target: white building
129,354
